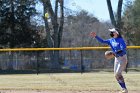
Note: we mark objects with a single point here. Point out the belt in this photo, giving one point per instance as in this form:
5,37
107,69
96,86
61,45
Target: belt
119,55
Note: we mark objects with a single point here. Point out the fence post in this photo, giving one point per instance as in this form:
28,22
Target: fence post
37,64
82,66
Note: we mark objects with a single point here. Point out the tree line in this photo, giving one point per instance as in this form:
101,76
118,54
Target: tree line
64,27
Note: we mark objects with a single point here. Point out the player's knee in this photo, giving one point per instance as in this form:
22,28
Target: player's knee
118,76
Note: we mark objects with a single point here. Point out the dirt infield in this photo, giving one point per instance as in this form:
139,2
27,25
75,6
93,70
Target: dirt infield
45,91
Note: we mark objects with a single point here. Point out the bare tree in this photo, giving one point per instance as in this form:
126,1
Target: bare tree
116,22
54,28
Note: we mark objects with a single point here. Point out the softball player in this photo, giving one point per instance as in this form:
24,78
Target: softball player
118,46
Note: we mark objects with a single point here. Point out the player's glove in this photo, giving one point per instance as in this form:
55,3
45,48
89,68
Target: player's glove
109,54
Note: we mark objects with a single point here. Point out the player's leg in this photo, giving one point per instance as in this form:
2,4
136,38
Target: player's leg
119,66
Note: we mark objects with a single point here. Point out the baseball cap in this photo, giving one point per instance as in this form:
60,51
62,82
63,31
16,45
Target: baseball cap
114,30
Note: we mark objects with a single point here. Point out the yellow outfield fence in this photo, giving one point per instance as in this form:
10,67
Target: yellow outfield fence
69,48
70,58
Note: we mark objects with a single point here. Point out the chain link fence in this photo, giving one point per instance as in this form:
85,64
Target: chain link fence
69,61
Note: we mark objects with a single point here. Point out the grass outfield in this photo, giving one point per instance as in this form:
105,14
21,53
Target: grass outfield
68,82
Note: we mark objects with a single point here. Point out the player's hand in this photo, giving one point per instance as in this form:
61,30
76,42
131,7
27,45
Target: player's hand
93,34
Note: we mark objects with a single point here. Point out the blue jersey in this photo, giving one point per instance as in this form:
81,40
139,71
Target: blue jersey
116,44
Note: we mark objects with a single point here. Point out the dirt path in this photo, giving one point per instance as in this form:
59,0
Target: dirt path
45,91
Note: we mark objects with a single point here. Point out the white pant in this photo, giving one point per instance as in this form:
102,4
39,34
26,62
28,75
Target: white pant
120,64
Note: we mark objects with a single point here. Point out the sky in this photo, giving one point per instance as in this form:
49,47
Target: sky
96,7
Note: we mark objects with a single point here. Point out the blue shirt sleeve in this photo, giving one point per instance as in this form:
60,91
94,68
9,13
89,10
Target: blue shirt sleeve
101,40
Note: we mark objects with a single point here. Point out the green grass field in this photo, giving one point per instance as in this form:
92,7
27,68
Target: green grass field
68,81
